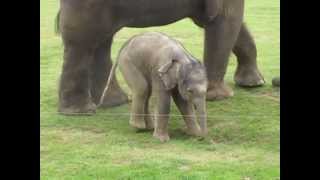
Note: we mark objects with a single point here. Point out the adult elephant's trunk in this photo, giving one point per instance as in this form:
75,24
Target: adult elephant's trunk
201,111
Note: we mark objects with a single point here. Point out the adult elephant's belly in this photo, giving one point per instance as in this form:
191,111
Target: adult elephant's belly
146,13
154,20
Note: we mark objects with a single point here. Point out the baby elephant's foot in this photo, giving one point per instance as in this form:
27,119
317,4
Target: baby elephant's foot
138,124
163,137
149,122
192,132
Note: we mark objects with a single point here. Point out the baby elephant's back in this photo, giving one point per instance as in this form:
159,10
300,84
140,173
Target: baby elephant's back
142,48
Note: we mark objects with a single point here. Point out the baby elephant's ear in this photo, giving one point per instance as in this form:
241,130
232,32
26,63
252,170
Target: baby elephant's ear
167,73
164,68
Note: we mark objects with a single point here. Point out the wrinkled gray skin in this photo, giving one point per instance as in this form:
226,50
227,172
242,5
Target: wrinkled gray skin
153,63
88,26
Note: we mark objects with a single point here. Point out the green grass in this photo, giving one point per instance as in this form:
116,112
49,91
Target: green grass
243,140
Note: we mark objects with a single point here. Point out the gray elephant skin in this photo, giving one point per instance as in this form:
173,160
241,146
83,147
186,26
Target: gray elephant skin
155,64
87,28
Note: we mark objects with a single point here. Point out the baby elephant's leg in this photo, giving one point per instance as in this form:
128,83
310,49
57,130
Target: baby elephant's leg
186,110
139,87
148,117
162,114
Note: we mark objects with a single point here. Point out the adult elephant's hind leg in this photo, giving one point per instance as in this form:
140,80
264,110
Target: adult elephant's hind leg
220,37
247,73
100,68
74,93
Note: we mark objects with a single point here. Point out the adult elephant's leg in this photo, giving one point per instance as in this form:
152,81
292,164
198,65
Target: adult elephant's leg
220,37
247,73
100,68
74,93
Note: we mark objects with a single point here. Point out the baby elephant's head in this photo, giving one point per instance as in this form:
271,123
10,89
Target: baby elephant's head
192,82
192,86
191,79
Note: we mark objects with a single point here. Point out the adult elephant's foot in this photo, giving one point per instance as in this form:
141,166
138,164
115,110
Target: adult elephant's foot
87,110
248,77
163,137
218,91
114,97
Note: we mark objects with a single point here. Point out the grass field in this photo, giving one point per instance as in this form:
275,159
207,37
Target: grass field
243,140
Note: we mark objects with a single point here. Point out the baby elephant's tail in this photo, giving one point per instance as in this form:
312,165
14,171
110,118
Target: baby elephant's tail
111,74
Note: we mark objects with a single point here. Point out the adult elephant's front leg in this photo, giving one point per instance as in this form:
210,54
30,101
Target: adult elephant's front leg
247,73
74,92
220,37
100,68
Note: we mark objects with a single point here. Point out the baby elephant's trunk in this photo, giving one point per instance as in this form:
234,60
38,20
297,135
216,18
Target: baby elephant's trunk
200,106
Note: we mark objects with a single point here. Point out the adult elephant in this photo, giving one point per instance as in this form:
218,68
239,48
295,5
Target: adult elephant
88,26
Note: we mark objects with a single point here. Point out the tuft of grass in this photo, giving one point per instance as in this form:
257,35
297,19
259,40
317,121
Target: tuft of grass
243,140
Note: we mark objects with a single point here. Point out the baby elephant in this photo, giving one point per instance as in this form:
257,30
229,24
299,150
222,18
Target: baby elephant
153,63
